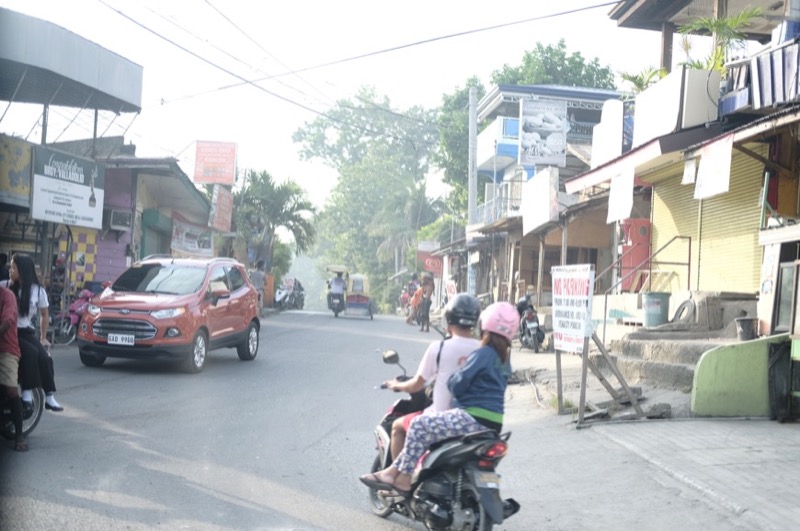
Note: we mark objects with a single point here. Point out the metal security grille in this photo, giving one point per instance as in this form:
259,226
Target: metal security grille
139,329
730,256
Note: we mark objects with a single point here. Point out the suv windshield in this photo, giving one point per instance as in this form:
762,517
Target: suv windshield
158,278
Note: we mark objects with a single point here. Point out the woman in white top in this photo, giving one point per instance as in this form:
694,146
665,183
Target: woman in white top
36,365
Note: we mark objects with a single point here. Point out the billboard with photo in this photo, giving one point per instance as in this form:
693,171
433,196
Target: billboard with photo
543,133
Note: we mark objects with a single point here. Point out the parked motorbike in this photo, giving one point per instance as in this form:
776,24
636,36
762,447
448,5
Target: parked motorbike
290,296
30,416
454,485
530,334
64,326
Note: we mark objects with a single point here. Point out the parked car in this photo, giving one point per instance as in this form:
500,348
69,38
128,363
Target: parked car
172,308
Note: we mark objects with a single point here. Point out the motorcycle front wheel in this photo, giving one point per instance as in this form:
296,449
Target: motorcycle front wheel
376,503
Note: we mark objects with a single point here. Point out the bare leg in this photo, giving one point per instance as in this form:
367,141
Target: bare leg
398,438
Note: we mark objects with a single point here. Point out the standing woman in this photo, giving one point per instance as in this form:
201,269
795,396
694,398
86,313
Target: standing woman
36,365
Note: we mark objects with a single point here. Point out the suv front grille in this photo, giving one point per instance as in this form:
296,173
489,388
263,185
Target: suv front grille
139,329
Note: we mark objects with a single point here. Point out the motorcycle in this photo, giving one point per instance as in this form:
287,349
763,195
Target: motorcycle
64,326
290,296
30,416
530,334
454,485
337,304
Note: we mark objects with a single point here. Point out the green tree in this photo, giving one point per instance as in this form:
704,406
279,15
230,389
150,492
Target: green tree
728,34
382,156
264,206
552,65
452,155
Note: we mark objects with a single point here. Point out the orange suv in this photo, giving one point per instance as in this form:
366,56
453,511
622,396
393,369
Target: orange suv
172,308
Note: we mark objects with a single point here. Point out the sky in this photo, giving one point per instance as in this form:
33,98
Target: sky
416,51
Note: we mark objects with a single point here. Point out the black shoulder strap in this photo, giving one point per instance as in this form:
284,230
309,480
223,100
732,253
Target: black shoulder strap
439,355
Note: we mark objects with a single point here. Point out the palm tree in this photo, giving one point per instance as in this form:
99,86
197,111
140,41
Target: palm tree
728,34
263,206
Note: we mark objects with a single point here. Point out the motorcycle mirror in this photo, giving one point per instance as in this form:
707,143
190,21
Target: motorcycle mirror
391,357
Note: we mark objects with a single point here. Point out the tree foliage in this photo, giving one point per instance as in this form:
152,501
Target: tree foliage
552,65
453,153
379,202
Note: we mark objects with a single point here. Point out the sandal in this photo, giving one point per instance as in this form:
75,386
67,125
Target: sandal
21,445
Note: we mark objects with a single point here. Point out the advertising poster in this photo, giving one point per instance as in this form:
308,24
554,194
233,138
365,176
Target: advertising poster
215,163
221,209
15,171
67,189
190,239
543,131
573,287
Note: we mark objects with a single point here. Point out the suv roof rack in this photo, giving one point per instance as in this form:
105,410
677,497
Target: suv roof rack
153,256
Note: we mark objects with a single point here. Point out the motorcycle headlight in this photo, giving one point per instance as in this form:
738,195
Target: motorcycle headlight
93,309
166,314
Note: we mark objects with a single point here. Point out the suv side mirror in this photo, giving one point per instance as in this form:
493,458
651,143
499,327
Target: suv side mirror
218,294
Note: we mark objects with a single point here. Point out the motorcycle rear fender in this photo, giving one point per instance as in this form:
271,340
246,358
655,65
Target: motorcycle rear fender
489,498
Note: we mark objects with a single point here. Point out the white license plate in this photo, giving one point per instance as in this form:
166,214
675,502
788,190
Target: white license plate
487,480
120,339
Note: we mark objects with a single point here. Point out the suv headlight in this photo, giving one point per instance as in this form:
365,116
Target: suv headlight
93,310
166,314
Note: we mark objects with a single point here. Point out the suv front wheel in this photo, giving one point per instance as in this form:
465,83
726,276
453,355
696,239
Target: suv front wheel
196,359
248,349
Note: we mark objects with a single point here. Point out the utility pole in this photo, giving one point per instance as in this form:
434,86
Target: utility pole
472,201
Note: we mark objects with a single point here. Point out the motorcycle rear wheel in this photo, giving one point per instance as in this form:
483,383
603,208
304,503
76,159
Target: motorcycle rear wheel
376,503
29,423
470,500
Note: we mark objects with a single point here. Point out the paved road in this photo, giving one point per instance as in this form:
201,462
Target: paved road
278,444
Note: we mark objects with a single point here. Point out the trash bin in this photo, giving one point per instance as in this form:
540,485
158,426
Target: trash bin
746,328
656,308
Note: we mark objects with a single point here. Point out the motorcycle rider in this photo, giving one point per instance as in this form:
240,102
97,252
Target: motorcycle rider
478,389
336,285
441,359
9,363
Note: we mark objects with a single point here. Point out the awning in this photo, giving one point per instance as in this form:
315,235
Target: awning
645,158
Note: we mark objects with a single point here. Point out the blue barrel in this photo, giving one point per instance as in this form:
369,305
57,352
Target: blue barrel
655,305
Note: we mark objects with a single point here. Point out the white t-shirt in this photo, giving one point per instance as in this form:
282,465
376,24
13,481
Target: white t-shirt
38,301
454,353
337,285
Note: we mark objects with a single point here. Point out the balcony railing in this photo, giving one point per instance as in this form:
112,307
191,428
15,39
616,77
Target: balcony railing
505,204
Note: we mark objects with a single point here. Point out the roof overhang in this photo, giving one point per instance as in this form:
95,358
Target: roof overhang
503,100
646,158
43,63
653,14
169,185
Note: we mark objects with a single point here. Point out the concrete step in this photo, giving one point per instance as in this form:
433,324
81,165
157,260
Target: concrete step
678,376
687,351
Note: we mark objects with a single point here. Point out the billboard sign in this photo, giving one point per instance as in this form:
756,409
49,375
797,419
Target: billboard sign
190,239
67,189
215,163
221,209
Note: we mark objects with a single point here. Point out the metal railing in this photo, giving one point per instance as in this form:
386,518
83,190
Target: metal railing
506,203
649,259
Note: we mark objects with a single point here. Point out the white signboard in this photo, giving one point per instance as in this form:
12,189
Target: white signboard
67,189
573,287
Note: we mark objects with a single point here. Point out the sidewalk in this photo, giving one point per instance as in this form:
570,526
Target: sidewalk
750,467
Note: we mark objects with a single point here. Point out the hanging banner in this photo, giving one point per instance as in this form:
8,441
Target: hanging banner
221,209
620,198
714,173
573,287
190,239
67,189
